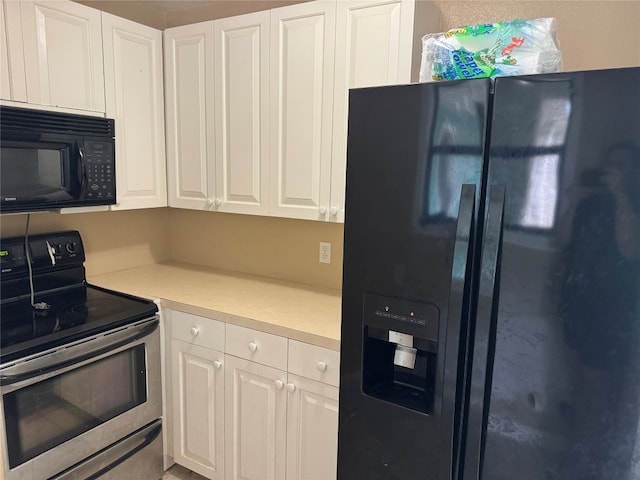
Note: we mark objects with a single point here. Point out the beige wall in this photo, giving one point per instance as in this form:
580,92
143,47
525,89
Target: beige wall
136,11
145,12
113,240
592,34
267,246
222,9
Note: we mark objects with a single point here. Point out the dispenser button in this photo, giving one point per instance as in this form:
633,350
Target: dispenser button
401,338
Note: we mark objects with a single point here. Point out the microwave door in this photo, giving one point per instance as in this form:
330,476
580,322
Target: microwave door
42,175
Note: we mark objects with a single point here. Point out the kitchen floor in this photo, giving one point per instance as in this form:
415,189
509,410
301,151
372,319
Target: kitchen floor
178,472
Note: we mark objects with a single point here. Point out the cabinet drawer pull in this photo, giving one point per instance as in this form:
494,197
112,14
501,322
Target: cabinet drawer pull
321,366
195,331
253,347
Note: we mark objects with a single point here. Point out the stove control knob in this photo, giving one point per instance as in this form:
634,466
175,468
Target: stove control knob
71,247
57,248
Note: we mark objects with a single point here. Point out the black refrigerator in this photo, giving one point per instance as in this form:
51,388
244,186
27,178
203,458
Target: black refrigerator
491,283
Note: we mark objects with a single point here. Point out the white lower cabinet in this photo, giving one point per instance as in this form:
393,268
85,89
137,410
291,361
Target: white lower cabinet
198,409
255,427
312,429
197,376
267,409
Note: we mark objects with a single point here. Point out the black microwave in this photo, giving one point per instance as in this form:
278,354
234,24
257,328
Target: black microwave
51,160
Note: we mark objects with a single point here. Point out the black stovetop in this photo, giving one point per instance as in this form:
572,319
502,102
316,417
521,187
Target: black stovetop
76,309
73,314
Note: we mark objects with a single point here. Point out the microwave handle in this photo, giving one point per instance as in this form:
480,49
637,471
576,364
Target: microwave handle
82,167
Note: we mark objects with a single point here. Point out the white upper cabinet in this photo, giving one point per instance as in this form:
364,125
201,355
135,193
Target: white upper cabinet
373,43
302,54
13,84
373,47
241,46
62,44
190,117
257,104
134,94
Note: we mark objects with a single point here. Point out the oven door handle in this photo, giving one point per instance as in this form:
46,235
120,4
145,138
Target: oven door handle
79,353
106,461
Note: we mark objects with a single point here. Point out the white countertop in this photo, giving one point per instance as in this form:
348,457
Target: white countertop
305,313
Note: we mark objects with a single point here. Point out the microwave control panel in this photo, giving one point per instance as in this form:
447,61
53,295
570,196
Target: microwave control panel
100,170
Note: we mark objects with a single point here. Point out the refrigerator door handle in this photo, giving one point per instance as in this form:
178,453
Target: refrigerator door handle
484,337
457,319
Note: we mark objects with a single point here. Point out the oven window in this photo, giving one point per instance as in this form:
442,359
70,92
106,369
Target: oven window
43,415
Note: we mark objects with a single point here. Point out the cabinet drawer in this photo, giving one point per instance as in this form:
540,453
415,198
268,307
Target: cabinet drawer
256,346
314,362
197,330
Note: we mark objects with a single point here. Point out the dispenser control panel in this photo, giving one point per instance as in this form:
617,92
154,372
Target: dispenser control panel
415,318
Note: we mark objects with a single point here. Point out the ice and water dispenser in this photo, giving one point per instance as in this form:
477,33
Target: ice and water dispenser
400,351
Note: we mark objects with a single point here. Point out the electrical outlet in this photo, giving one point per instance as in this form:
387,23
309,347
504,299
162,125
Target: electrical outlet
325,252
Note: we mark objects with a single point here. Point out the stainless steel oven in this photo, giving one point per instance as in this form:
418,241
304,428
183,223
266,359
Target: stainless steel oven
80,380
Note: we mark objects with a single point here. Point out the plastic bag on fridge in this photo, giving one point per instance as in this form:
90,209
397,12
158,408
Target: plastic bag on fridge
517,47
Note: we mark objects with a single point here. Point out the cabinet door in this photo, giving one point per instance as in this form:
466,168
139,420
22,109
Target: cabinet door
12,75
373,47
242,109
255,420
302,54
63,43
189,100
198,408
312,430
133,74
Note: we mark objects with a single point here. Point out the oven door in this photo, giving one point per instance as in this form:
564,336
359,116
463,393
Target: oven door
63,406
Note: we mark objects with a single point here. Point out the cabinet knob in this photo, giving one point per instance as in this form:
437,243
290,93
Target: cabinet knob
209,201
279,384
333,211
291,387
321,366
217,364
217,201
252,347
195,331
322,209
